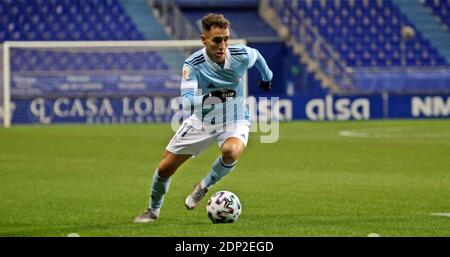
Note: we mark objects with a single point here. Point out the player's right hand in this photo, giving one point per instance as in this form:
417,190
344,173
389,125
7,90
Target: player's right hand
222,94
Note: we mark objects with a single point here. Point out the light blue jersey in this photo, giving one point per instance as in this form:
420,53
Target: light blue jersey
201,75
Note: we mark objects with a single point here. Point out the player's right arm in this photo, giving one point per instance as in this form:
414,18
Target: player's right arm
189,85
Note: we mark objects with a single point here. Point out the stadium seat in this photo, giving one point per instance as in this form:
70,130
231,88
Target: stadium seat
441,9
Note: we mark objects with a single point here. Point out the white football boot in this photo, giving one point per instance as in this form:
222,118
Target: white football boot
148,216
195,197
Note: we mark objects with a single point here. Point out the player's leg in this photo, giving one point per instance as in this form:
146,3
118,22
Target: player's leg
189,140
161,179
232,143
160,184
231,150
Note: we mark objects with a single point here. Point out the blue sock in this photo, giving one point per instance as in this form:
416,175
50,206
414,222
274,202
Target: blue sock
218,171
160,187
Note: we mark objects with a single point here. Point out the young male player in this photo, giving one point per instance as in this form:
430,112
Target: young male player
212,83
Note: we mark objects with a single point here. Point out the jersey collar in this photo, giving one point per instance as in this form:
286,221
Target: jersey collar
214,65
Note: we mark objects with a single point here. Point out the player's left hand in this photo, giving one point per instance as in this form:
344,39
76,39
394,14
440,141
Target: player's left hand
265,85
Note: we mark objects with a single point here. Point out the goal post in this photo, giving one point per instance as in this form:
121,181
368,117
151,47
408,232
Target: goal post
6,87
79,81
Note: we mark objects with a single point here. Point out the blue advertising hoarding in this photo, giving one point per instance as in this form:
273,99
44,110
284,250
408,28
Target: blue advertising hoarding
424,106
337,108
92,110
160,108
334,108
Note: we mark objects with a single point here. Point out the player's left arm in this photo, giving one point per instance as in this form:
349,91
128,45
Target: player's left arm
255,58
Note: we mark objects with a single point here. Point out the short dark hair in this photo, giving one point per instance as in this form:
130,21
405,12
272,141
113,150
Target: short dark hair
214,20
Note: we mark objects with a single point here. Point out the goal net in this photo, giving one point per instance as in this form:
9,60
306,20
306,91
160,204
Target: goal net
92,82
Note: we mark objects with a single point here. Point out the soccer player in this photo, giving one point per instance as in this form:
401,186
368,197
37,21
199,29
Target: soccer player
212,84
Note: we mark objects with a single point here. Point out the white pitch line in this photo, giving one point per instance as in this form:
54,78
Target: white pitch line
370,132
441,214
391,133
348,133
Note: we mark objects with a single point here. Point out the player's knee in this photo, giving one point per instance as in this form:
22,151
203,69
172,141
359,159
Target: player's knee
166,168
230,153
165,171
170,163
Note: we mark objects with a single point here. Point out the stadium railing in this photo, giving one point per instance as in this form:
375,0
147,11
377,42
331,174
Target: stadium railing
312,48
176,24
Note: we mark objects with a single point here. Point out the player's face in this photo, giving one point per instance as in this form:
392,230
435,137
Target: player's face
216,43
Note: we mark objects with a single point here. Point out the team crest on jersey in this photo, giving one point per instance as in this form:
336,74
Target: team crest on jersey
186,73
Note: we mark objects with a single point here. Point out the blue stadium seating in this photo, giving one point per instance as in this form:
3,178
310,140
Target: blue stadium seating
65,20
366,33
69,20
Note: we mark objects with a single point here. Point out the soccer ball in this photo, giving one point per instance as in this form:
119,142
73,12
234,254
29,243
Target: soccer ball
224,207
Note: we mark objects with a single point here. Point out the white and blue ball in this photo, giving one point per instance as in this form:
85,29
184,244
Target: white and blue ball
224,207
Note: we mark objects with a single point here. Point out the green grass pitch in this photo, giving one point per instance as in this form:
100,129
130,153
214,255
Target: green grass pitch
319,179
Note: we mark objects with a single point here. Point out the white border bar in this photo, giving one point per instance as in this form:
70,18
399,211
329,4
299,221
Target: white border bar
86,44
